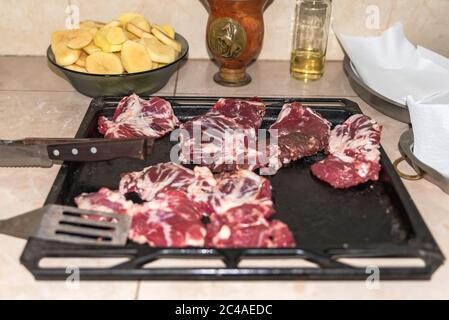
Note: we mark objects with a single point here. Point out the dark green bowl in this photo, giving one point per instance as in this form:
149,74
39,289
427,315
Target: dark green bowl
142,83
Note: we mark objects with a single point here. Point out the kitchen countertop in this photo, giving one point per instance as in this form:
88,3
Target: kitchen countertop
35,102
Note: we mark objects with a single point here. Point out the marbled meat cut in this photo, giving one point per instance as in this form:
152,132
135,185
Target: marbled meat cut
247,113
301,132
179,202
166,176
243,187
353,153
135,117
170,220
105,200
246,227
225,138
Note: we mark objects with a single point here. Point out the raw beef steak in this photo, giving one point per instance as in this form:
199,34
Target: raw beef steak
226,138
301,132
213,140
135,117
169,220
353,153
246,227
237,204
163,177
246,113
239,188
105,200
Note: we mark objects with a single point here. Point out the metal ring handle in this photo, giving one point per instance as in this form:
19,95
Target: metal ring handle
396,163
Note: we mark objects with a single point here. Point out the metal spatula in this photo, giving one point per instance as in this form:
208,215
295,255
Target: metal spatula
70,225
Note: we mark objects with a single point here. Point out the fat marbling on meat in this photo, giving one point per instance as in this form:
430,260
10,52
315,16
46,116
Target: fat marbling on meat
136,117
226,137
353,153
161,177
171,219
238,206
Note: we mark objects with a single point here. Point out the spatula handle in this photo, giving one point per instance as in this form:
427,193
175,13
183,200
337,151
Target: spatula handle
98,150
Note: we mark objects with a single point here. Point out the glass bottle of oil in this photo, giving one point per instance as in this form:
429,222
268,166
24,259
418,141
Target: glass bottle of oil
310,39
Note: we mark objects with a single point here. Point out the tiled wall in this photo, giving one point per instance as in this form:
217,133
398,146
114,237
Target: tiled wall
26,25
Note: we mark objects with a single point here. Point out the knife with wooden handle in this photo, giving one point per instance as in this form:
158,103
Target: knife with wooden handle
42,152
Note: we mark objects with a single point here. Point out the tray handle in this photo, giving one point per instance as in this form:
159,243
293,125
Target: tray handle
417,176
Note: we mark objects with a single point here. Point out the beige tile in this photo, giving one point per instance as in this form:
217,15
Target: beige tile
30,73
279,19
351,17
41,114
270,78
26,25
426,23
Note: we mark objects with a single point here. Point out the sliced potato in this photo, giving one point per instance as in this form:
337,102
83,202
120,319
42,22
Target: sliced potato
81,62
134,30
64,55
104,63
141,23
58,37
158,51
101,41
78,39
147,35
116,35
127,17
91,48
113,23
75,67
135,57
167,30
130,36
93,31
166,40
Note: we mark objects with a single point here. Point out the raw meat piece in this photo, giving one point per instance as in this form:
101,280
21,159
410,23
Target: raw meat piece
225,138
245,227
301,132
354,153
247,113
237,204
135,117
170,220
159,178
295,145
239,188
105,200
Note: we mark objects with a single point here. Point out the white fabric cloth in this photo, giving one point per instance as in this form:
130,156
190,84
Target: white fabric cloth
430,120
395,68
410,75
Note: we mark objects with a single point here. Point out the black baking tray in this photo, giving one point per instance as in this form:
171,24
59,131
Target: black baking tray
375,223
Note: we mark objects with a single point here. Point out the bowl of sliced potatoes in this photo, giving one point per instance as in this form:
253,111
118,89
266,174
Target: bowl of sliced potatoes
123,56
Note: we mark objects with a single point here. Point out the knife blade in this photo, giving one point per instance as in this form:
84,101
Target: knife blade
43,152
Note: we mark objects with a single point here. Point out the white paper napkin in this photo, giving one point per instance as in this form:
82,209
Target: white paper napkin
430,120
395,68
